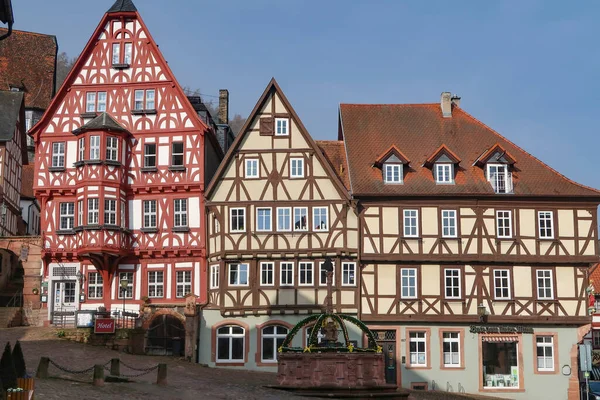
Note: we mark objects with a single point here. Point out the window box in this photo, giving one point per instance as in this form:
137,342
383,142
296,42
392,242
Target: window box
148,169
176,168
121,66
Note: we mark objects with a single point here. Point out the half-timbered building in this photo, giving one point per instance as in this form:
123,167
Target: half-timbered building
122,160
474,255
277,208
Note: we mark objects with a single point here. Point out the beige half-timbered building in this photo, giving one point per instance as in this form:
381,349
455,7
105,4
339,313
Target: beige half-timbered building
474,255
277,208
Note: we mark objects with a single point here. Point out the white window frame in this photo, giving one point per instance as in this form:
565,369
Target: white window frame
419,337
504,223
454,275
444,173
129,289
286,214
149,158
304,271
323,274
411,229
545,277
156,284
112,148
267,266
116,53
282,126
546,346
58,154
146,98
493,177
548,218
90,102
67,214
276,337
318,211
230,336
502,274
240,270
123,210
81,149
177,154
409,273
180,216
150,214
101,102
448,356
241,215
393,173
127,53
110,212
79,213
252,170
214,276
264,217
183,283
302,214
449,224
95,147
95,285
93,211
296,167
286,269
348,274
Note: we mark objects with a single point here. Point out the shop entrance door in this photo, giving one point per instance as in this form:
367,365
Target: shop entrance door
387,341
63,310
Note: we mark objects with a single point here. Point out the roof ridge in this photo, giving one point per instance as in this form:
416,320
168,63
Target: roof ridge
523,150
29,32
390,104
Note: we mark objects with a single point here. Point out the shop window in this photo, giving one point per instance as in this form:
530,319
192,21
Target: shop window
230,344
500,363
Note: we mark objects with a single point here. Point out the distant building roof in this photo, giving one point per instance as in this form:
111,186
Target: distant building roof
28,63
122,6
10,104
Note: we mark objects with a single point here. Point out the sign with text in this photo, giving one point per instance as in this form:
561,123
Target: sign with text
500,329
104,325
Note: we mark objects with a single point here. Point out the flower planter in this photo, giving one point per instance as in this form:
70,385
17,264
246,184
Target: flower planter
24,395
26,384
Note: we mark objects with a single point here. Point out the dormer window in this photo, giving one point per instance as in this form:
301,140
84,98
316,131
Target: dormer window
444,173
500,178
496,161
392,173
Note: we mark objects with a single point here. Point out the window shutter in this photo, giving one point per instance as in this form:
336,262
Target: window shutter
267,126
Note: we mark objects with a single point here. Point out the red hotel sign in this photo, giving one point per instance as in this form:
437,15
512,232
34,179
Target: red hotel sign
104,325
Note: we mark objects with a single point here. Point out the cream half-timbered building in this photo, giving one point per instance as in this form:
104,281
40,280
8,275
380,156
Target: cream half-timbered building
474,254
277,208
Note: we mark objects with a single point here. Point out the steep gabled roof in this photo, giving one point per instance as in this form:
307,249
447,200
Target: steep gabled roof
10,108
122,6
102,122
368,130
496,150
439,152
335,153
272,88
28,62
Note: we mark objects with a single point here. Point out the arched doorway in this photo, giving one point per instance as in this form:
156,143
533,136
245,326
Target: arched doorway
165,336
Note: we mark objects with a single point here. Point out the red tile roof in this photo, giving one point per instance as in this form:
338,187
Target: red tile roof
28,60
27,181
335,153
418,130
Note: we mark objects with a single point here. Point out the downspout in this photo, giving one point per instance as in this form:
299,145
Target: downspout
10,25
29,217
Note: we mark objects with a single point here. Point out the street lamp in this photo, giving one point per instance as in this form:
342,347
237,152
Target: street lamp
481,311
123,283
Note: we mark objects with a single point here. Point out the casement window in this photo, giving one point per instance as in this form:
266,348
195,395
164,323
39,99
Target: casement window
286,273
95,285
93,211
300,218
502,284
238,219
231,343
183,283
94,147
320,219
546,224
272,339
392,173
58,154
238,274
80,213
452,283
263,219
155,284
110,212
128,47
177,154
545,289
500,178
214,276
180,213
252,170
144,100
284,219
323,275
282,126
418,349
123,218
296,167
81,149
408,284
267,273
116,53
122,60
112,148
504,224
128,291
545,353
449,223
411,223
95,102
150,155
502,374
451,349
444,173
149,214
305,273
348,274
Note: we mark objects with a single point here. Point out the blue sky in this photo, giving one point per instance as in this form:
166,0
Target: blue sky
528,69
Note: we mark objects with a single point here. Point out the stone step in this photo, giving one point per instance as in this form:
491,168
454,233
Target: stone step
10,316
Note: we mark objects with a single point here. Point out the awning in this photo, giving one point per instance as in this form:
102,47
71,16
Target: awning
499,338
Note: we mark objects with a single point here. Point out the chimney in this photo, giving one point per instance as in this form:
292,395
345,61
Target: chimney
455,99
224,106
446,104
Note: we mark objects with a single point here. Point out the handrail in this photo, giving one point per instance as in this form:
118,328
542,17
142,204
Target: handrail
16,300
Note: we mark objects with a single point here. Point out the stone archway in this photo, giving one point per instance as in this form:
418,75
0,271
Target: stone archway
165,334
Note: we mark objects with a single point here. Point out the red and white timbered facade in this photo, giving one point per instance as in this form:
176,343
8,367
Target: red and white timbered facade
120,175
